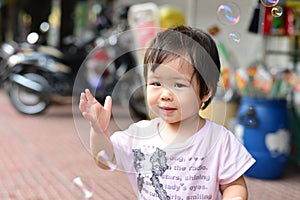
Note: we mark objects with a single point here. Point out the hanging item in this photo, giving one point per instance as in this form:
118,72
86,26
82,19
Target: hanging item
255,21
278,24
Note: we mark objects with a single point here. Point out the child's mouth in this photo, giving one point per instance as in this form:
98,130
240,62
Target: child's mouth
168,110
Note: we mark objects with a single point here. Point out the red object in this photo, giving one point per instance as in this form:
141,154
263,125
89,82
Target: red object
271,27
289,21
267,21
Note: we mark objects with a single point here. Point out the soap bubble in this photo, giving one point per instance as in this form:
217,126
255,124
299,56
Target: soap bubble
269,3
83,189
228,14
130,85
235,37
103,157
277,11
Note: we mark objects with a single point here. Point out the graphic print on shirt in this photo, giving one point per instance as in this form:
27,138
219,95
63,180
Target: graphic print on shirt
159,166
158,161
188,177
138,159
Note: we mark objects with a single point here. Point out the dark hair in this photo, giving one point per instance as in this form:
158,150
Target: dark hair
192,44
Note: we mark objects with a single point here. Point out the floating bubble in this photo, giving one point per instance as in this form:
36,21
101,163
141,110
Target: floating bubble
85,190
228,14
127,88
102,156
269,3
235,37
277,11
111,70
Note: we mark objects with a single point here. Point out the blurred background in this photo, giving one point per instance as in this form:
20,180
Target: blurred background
56,19
53,49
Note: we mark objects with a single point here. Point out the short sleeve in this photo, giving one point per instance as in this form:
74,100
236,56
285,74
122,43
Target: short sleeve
235,160
126,140
122,149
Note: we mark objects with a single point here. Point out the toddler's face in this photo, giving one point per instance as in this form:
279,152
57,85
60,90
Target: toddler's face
172,93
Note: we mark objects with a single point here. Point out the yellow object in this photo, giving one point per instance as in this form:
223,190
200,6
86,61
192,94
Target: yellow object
292,3
225,75
170,17
220,112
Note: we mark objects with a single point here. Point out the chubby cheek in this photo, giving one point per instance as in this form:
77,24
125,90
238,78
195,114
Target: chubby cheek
151,97
189,103
150,101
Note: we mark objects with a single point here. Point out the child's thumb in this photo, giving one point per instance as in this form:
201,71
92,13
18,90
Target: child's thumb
108,104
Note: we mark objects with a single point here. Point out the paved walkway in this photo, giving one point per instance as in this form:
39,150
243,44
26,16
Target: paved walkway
41,155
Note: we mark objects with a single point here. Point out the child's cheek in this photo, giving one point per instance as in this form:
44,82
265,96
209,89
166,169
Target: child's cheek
151,96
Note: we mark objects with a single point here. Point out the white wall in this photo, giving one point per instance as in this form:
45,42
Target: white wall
249,49
203,14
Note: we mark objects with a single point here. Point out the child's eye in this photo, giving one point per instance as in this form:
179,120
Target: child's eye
179,85
157,84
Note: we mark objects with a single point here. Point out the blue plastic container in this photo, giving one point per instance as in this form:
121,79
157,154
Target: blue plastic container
263,127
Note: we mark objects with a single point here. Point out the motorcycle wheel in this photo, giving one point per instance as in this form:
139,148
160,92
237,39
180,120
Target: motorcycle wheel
26,101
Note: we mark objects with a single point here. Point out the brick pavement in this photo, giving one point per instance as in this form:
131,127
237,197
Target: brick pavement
41,155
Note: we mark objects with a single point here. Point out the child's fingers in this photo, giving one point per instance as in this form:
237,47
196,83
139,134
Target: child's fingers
86,116
82,105
89,96
108,103
82,96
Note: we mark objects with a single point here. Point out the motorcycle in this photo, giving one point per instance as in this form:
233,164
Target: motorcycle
11,48
37,79
8,49
34,80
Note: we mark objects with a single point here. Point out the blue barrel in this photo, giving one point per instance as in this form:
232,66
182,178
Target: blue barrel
263,128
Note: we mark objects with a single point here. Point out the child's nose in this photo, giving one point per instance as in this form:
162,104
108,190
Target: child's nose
166,95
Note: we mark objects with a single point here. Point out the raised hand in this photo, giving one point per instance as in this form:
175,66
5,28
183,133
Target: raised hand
94,112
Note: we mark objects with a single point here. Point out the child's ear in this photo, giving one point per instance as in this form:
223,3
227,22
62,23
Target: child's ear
206,97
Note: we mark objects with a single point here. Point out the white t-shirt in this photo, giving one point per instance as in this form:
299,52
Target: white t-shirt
191,170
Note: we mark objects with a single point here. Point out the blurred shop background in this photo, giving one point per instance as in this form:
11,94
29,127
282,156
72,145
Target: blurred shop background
258,41
74,17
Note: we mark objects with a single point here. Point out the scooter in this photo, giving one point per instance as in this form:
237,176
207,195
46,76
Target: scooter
38,79
34,80
8,49
11,48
